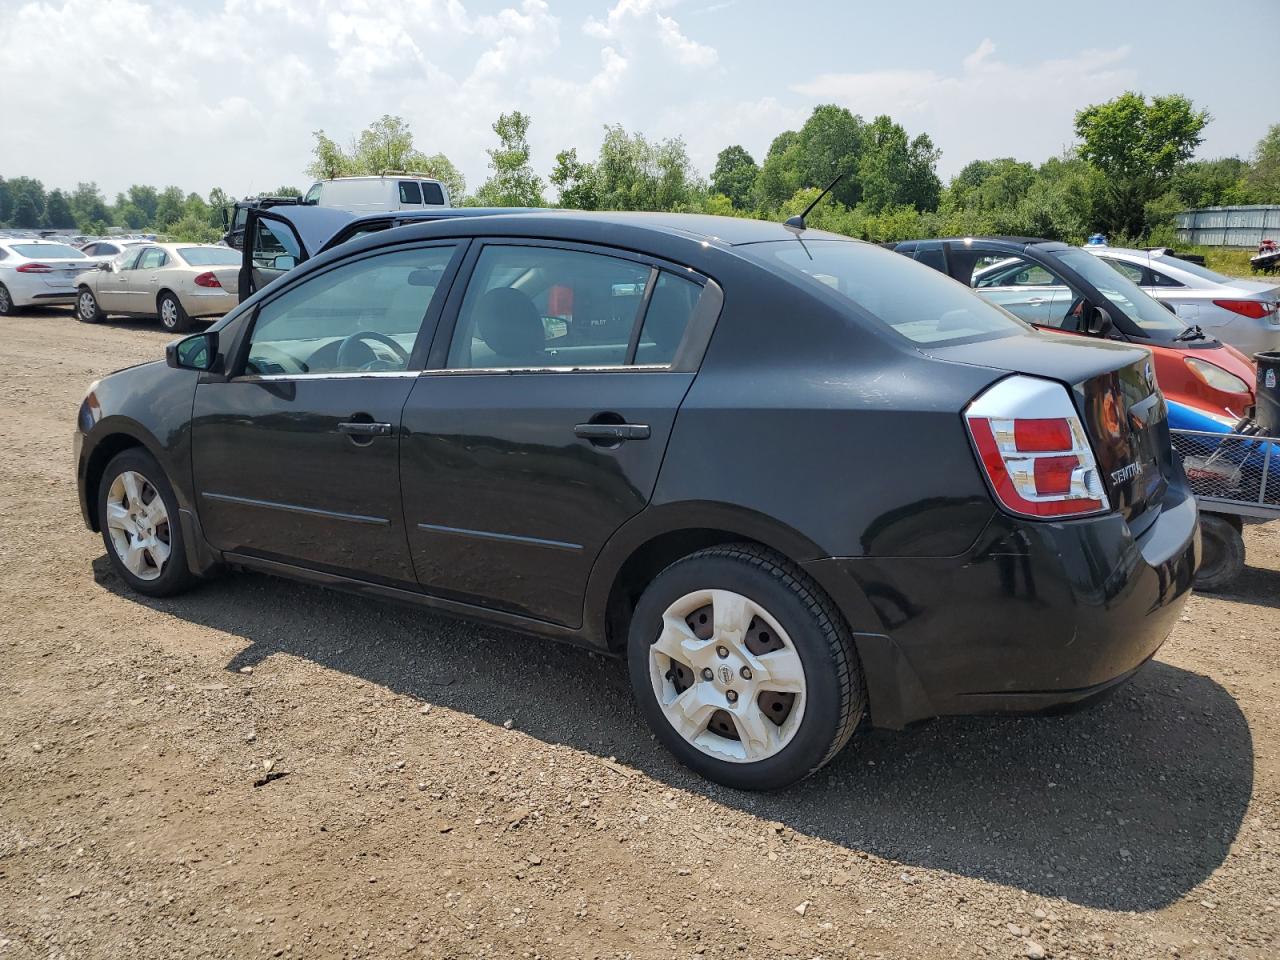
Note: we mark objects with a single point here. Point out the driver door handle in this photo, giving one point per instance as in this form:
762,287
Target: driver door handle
612,431
357,428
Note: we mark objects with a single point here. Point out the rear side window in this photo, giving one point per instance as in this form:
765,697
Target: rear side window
530,307
152,259
915,301
410,192
432,195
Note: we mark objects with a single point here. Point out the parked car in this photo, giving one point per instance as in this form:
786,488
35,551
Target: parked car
37,273
103,251
392,191
177,282
1242,313
1064,289
678,439
281,237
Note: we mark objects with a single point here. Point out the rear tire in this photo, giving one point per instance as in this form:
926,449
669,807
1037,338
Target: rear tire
743,668
6,301
141,529
172,317
1222,556
87,309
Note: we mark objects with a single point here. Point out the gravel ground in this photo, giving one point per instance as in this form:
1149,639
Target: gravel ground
261,768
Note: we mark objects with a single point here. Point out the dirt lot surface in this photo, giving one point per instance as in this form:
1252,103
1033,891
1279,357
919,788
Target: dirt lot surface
458,791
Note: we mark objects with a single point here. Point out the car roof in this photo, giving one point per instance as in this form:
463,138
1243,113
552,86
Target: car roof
1012,244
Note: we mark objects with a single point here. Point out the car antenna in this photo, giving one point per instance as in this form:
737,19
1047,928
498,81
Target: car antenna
797,223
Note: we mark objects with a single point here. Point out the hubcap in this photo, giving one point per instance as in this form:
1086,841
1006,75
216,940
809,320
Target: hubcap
4,299
727,676
138,524
168,312
86,304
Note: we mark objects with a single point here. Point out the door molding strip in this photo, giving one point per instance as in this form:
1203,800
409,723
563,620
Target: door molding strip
294,508
506,537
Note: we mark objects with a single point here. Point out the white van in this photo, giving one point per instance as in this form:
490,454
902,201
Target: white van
375,194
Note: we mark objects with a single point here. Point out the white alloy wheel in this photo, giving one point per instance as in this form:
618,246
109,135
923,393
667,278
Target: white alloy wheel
138,524
6,304
169,312
88,306
727,677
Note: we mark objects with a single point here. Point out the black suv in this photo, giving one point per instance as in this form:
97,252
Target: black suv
797,480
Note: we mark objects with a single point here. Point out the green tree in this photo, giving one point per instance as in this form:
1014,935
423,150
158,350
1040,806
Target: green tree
1211,183
25,213
146,199
634,174
328,159
21,188
894,171
127,214
1138,145
575,181
191,229
6,201
780,173
1263,178
88,205
735,176
386,144
57,211
170,208
513,182
219,200
286,192
830,143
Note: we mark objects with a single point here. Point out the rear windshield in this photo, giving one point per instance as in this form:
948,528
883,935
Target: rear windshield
209,256
52,251
1204,273
919,303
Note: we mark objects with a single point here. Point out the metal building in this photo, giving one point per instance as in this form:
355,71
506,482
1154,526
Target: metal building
1245,226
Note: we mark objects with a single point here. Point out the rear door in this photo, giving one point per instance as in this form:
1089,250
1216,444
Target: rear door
296,457
542,426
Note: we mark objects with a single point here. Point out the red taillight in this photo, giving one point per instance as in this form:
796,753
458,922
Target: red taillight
1253,309
207,279
34,268
1034,451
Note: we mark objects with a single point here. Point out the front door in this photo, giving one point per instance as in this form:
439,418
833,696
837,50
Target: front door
1026,289
113,285
545,427
296,457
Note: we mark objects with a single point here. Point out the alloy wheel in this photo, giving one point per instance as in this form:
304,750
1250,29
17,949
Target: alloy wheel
138,523
88,308
727,677
168,313
5,302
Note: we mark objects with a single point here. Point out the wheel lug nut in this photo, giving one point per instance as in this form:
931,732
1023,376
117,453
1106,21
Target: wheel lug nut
731,696
706,673
746,673
722,652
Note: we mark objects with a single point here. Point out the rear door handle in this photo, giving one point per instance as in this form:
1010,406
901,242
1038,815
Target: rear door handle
612,431
358,428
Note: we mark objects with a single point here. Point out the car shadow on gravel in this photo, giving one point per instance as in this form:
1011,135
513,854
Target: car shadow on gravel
1257,586
1125,806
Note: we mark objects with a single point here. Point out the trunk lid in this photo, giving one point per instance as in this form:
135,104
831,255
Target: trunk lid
1114,390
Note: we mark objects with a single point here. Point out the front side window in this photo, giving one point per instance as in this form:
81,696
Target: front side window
913,300
410,192
313,195
1013,272
129,259
362,317
543,307
1147,317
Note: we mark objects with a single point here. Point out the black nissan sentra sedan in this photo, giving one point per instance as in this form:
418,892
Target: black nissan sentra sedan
797,480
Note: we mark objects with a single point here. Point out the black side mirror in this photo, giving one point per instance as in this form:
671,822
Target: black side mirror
226,219
104,265
1096,321
197,352
1168,306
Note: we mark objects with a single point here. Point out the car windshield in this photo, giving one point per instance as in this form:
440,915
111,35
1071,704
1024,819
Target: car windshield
1151,318
915,301
209,256
52,251
1204,273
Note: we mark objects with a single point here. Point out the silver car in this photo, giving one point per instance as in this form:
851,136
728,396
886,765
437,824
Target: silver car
1242,313
177,282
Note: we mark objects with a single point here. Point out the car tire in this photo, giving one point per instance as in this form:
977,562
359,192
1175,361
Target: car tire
763,693
6,301
144,541
87,309
172,317
1222,552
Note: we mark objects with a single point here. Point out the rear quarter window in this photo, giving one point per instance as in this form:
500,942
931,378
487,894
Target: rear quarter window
914,301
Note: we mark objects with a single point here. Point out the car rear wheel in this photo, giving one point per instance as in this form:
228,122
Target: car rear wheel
138,514
1222,552
172,316
6,301
743,668
87,309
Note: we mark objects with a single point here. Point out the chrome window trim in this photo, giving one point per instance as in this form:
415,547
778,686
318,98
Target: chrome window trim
354,375
617,368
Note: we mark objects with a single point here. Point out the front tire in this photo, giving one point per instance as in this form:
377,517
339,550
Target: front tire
87,309
172,317
6,301
138,514
743,668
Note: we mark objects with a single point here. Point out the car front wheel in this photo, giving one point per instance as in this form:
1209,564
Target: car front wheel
743,668
138,514
172,316
87,309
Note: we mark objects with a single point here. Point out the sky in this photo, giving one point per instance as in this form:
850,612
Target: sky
204,93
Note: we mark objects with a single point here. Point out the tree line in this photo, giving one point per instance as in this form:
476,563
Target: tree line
1130,172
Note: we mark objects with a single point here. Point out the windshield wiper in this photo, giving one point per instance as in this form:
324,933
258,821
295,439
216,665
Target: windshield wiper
1192,332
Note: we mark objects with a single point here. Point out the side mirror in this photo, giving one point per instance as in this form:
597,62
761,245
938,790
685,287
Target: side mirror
197,352
226,219
1096,321
284,262
1168,306
104,265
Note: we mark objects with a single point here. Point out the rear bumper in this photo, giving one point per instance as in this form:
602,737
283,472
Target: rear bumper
1034,616
212,303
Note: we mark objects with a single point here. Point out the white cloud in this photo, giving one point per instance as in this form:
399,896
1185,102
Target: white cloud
686,51
635,20
988,107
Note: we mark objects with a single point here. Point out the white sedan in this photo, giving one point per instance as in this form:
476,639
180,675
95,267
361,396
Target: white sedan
1242,313
177,282
37,273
